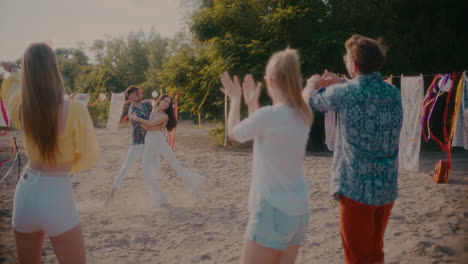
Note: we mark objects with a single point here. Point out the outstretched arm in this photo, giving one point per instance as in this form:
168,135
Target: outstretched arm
154,128
316,82
161,119
148,101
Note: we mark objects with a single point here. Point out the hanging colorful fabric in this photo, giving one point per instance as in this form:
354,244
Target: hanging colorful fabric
171,135
5,120
445,142
465,109
458,132
428,106
12,151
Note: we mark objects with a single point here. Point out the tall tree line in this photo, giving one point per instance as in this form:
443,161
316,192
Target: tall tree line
423,36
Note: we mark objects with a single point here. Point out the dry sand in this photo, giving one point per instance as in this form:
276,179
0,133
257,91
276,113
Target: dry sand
428,223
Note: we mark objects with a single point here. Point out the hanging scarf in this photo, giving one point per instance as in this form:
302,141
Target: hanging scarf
428,106
434,92
5,118
171,136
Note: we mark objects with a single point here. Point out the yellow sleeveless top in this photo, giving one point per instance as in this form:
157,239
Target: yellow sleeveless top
76,142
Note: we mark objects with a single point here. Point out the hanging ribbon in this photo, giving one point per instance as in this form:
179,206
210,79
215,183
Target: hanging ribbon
12,151
445,145
445,142
5,118
458,100
429,101
9,170
171,136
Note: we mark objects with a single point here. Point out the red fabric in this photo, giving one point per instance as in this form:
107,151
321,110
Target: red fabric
362,229
5,117
12,151
171,136
446,142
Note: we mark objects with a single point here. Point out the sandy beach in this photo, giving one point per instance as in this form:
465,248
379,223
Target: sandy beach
428,223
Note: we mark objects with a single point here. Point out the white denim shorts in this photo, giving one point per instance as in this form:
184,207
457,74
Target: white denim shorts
44,203
270,227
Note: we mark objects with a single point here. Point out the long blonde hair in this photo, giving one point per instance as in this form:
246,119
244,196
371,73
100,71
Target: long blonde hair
42,98
284,67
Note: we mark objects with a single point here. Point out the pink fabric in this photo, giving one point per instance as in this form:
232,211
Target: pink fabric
330,129
5,118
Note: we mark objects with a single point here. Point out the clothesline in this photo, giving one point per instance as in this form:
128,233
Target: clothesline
399,76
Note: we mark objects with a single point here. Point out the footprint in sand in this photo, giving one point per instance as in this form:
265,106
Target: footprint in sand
318,210
205,257
444,250
398,217
144,239
422,246
233,259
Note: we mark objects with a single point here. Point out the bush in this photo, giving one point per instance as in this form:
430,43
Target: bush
217,134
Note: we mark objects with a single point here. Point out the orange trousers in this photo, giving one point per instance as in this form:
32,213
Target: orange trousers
362,229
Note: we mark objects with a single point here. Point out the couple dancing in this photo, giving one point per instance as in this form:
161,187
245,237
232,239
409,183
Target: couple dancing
150,119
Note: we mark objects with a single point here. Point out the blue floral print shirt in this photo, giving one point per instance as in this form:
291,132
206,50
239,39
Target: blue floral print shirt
370,115
138,133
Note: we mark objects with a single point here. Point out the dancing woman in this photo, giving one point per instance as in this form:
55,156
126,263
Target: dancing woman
156,146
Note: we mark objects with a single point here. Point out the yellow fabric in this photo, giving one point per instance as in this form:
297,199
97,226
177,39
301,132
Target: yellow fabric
10,94
389,80
76,143
457,106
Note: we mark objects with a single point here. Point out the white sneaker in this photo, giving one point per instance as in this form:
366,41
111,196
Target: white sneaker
107,201
194,182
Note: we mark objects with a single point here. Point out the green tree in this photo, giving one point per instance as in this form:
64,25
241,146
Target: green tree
71,62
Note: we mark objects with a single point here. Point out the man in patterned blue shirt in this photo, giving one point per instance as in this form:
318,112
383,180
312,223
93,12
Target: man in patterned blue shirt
365,164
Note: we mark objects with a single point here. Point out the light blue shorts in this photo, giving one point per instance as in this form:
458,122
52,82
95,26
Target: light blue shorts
269,227
44,203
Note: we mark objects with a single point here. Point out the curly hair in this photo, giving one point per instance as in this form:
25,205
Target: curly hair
369,54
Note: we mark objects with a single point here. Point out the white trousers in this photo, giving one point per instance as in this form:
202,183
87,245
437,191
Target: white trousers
155,147
134,153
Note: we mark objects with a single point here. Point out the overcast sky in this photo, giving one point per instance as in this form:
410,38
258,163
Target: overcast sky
66,22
